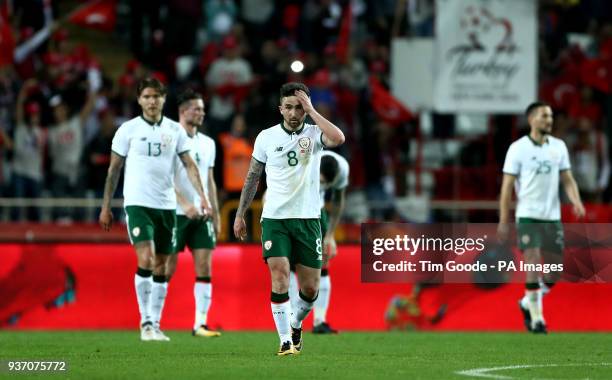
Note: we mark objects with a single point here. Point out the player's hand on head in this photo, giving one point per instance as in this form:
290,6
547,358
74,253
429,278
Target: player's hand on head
106,219
304,100
240,228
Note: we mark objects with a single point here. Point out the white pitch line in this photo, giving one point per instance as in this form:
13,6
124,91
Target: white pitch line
483,372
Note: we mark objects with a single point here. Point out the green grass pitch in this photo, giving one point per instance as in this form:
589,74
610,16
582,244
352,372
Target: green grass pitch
250,355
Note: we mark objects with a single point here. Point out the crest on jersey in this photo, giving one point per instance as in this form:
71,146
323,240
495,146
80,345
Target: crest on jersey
525,239
554,156
166,139
304,142
268,245
136,231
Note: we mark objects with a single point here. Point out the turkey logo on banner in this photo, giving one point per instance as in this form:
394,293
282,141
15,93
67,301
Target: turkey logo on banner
386,106
485,55
97,14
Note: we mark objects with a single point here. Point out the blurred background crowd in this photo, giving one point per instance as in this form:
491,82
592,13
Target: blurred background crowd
64,91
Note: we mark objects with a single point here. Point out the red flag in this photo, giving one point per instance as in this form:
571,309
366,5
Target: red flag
96,14
345,33
596,73
7,42
386,105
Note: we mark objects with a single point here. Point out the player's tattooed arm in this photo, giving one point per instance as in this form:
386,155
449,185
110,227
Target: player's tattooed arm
250,186
112,178
110,185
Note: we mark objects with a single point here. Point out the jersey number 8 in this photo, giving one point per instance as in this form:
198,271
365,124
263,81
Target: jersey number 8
292,158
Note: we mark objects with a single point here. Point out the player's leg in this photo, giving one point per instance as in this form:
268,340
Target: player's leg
308,250
552,253
529,233
320,325
202,241
293,286
140,232
532,291
158,293
182,232
143,283
202,292
276,251
281,308
165,245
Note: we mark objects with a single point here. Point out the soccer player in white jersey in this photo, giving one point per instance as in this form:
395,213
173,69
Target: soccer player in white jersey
193,231
534,165
333,180
148,145
291,232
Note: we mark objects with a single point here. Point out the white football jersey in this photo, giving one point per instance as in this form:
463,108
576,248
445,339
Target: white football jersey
342,178
150,151
537,168
203,153
292,162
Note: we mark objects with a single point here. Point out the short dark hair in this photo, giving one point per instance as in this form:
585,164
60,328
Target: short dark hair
153,83
289,89
534,106
187,96
329,168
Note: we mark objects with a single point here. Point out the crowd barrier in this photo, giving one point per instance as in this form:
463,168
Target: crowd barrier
91,286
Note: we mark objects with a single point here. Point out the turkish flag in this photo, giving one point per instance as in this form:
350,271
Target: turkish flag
96,14
596,73
560,92
386,106
7,43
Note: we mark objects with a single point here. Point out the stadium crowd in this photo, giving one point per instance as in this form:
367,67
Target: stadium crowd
59,107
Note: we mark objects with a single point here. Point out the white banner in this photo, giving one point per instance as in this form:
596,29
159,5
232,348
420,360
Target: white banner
486,55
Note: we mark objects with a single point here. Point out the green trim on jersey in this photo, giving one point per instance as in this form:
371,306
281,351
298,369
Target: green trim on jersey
299,240
120,155
195,234
153,124
535,142
288,131
150,224
537,233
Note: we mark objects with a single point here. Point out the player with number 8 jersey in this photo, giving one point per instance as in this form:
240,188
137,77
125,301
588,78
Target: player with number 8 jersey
292,167
291,233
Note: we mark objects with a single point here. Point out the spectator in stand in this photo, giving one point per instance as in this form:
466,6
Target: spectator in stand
28,153
97,155
65,150
585,106
229,77
237,151
590,159
8,94
220,17
380,185
6,143
123,101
